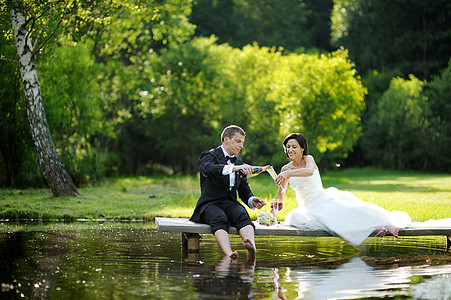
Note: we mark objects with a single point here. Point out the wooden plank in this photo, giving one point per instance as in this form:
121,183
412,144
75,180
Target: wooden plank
184,225
287,230
423,231
180,225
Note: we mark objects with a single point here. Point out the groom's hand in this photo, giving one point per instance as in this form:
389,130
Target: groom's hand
247,169
258,203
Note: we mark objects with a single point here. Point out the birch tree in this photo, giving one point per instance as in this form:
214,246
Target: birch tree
54,171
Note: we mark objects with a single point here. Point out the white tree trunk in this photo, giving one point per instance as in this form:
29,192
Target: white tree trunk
54,171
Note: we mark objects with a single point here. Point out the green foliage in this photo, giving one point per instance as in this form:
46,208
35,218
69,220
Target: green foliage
324,103
439,133
185,101
396,136
128,30
128,90
128,47
74,107
285,23
15,145
203,87
248,100
413,36
169,111
377,82
432,123
18,166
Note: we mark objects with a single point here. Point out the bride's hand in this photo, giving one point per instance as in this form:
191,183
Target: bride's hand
280,179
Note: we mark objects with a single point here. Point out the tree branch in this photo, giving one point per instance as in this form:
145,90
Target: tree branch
8,59
42,30
51,35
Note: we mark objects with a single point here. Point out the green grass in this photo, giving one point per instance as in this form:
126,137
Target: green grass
423,196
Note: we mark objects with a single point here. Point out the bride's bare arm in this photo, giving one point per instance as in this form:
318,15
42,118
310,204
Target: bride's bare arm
280,197
289,170
281,193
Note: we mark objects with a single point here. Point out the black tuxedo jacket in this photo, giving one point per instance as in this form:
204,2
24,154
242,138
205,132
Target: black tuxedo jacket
214,185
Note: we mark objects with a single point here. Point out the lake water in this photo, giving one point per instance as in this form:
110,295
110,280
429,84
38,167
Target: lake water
135,261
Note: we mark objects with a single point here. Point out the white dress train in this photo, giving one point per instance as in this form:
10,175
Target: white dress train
338,212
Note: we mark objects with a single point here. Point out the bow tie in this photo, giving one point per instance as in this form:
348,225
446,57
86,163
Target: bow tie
231,158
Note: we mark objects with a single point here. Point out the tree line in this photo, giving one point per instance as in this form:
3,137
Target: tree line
142,87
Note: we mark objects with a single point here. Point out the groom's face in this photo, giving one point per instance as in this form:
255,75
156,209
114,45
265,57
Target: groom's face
234,144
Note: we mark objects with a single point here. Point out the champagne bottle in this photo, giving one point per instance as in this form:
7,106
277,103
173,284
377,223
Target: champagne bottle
257,171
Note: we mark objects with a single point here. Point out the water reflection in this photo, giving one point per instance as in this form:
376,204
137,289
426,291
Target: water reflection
230,279
357,279
135,261
352,279
439,287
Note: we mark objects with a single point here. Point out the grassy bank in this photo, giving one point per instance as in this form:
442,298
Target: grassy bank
423,196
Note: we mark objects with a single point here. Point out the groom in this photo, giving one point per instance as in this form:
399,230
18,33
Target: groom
218,205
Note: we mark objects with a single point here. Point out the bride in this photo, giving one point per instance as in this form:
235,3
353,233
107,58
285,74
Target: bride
337,212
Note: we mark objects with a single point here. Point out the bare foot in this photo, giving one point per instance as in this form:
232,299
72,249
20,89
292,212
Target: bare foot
248,245
250,249
233,255
381,231
393,230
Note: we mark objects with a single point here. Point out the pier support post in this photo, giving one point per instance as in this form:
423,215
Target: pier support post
190,247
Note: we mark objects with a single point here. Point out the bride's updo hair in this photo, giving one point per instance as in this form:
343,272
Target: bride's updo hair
300,139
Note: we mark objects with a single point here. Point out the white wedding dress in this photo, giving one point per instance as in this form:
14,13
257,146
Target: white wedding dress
338,212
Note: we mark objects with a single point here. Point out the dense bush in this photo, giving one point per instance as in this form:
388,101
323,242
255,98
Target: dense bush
439,120
397,125
74,108
413,36
325,102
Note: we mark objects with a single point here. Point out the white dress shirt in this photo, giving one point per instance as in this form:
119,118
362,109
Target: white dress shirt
228,170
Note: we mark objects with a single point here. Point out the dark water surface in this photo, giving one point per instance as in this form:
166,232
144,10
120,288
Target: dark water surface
134,261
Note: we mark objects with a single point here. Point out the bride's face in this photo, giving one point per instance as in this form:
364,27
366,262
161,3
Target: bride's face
293,149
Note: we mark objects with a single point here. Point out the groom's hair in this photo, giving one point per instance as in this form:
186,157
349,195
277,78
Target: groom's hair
300,139
230,131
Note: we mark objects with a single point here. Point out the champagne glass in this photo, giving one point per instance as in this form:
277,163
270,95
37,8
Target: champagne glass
275,209
273,175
